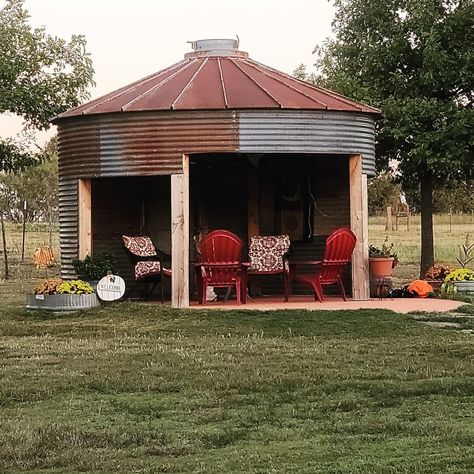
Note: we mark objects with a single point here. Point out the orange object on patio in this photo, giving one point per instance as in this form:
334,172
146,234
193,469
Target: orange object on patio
419,288
339,247
221,264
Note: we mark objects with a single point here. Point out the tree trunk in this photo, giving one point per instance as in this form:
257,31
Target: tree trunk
4,239
427,241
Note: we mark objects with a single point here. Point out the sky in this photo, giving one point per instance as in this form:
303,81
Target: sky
129,40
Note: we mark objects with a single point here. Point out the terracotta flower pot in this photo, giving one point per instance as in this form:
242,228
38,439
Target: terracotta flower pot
381,266
435,284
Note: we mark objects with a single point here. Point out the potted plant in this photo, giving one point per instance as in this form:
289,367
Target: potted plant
436,275
466,253
462,279
54,294
382,260
94,267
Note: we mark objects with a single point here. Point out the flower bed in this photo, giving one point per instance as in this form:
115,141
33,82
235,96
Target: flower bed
461,280
55,294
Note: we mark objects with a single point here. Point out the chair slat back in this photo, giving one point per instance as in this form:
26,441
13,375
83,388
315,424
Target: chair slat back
221,246
222,251
339,247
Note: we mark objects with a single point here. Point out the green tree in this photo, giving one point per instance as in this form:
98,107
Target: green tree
457,196
414,59
383,191
301,73
37,185
40,76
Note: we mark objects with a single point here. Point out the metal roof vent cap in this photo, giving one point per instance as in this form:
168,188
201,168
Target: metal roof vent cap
215,47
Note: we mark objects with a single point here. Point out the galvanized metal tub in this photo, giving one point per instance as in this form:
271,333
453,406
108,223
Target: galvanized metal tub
61,303
465,287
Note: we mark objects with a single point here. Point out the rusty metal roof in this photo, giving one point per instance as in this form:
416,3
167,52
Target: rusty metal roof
218,79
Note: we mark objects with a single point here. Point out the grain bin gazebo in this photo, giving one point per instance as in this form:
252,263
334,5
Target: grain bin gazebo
216,140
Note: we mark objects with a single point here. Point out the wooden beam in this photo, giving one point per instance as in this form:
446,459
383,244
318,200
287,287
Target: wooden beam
253,227
85,217
180,237
360,227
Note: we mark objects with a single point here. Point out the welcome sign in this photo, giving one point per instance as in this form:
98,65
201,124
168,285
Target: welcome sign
111,288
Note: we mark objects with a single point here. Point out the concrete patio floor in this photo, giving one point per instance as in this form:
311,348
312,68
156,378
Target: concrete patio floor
399,305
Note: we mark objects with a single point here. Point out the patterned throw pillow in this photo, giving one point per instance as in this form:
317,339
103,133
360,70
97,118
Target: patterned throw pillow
139,246
266,252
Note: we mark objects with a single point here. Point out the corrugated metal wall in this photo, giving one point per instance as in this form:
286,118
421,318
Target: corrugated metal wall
68,225
141,144
303,131
78,148
152,143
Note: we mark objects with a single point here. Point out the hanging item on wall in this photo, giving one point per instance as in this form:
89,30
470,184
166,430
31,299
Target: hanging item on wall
292,220
292,208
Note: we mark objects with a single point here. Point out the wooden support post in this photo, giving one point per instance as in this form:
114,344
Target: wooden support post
180,237
85,217
359,225
252,202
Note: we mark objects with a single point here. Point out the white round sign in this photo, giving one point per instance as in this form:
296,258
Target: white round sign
111,288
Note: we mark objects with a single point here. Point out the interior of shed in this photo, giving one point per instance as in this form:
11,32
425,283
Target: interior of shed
303,195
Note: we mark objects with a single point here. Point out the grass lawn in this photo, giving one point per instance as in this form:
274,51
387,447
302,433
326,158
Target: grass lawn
143,388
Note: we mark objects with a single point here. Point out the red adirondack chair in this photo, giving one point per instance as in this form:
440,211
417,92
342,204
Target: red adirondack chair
339,247
221,264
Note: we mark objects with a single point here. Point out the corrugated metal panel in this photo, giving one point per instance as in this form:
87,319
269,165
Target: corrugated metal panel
153,143
142,143
78,148
285,131
68,225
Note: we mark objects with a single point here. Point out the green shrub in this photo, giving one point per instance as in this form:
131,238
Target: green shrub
95,266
